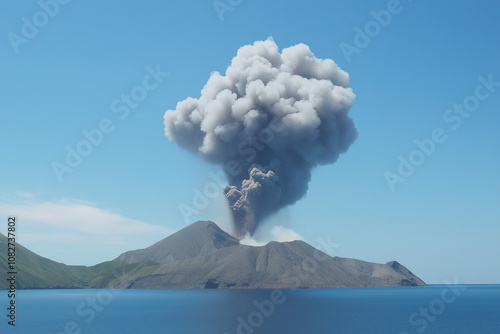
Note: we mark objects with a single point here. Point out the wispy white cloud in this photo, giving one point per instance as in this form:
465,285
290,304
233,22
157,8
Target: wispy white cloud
250,241
277,233
76,231
24,194
69,215
282,234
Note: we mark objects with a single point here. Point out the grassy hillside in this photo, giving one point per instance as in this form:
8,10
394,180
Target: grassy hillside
34,271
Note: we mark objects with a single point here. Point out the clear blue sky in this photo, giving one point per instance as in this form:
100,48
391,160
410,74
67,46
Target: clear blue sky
442,222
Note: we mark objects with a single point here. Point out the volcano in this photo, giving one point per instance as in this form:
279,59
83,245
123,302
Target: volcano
204,256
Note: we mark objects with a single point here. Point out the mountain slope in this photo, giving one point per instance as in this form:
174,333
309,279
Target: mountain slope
203,256
276,265
34,271
197,239
37,272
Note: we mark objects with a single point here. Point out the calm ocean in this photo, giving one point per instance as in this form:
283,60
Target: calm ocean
440,309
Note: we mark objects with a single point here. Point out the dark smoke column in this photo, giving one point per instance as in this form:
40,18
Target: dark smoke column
271,119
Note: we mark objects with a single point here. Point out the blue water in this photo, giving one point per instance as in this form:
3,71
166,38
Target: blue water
433,309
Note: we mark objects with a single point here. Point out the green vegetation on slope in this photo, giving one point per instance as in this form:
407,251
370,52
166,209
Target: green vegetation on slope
36,272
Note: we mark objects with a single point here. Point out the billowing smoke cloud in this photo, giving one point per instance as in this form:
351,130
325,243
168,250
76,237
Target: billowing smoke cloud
269,120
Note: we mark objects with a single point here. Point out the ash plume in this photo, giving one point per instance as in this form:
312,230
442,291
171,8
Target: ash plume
268,121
